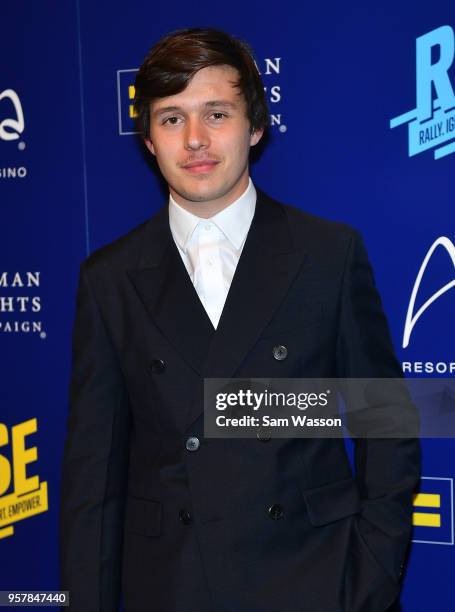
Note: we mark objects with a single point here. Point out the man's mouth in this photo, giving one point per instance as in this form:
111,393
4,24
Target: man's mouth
197,167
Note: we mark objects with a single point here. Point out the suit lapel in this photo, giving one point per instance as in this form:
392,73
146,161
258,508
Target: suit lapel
166,290
268,264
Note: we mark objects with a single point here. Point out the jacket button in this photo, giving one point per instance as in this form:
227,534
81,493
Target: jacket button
276,511
185,517
158,366
280,352
263,435
192,444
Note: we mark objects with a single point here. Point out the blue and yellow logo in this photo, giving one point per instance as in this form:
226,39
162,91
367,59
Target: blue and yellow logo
125,95
433,512
29,496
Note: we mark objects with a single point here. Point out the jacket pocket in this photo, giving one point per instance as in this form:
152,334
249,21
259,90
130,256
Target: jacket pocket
331,502
143,516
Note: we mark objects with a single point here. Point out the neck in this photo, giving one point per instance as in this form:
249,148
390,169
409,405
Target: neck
208,209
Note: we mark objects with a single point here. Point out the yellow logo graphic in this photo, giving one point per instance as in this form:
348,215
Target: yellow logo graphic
427,519
30,495
125,100
433,511
131,94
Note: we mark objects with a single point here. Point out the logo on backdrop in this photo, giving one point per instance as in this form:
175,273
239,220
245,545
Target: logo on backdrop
269,69
21,495
20,308
431,125
432,517
413,315
11,128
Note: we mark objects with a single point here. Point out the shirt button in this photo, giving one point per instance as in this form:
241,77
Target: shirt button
280,352
208,227
192,444
185,517
276,511
158,366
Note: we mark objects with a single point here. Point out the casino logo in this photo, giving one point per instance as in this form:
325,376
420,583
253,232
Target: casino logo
11,129
431,125
21,495
269,69
413,315
432,517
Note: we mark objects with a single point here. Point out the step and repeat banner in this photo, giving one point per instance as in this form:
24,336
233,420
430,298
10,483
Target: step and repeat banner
362,107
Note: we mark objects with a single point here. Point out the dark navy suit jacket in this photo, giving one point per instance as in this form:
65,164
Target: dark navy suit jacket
178,530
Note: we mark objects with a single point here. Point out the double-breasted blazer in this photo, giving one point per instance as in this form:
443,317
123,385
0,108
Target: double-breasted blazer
171,521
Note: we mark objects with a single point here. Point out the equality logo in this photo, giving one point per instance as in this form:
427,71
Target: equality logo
432,516
431,125
125,101
269,68
12,127
412,316
21,494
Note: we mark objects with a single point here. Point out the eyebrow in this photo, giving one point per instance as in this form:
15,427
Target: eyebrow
210,104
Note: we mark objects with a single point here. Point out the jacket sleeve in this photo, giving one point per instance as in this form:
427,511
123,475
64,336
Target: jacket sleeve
387,469
94,465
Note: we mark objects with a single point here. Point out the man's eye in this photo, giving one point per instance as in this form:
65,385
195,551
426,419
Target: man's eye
218,116
171,120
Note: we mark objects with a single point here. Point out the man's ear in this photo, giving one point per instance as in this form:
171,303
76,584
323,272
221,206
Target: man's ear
149,145
256,136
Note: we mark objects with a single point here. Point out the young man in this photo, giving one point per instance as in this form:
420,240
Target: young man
223,282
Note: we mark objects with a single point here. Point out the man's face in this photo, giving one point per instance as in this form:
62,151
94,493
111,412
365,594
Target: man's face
201,139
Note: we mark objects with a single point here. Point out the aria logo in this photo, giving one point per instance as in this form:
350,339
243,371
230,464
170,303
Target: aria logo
432,123
12,128
411,316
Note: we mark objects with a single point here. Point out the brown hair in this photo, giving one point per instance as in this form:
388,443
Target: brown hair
173,61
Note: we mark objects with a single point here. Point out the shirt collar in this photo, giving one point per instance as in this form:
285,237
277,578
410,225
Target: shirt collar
234,220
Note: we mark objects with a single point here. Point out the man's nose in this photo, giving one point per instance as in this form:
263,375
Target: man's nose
196,134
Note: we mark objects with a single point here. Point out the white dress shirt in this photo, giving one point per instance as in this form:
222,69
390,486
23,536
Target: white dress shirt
211,248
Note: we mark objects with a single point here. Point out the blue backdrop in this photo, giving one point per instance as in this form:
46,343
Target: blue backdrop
362,104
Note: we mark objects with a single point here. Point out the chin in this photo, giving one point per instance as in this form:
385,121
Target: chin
200,196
